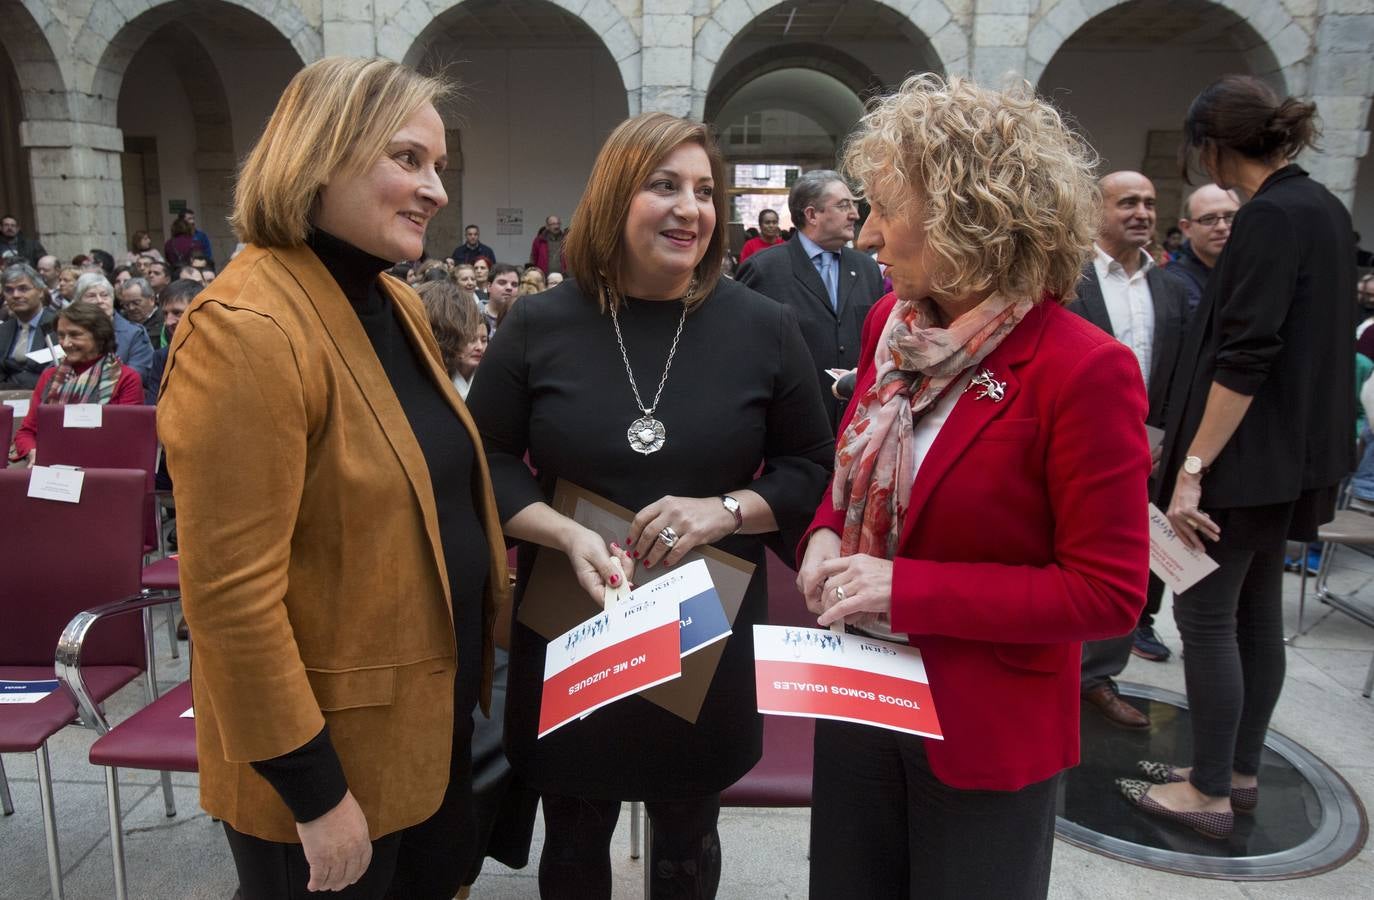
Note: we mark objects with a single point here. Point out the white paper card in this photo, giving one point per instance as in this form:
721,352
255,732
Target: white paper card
21,407
56,483
1177,565
45,356
81,415
189,714
26,691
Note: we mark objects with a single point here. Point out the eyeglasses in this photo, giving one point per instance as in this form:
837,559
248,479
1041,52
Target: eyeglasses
1211,219
841,205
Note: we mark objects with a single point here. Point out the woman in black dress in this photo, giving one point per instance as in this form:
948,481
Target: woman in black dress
650,380
1258,436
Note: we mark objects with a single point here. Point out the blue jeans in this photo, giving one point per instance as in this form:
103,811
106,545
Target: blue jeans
1363,480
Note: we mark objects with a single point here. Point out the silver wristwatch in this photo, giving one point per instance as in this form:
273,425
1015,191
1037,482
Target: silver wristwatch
732,506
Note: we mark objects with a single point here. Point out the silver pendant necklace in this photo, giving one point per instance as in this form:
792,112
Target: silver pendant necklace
647,434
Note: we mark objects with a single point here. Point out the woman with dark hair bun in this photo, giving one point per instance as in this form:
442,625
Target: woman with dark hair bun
1258,435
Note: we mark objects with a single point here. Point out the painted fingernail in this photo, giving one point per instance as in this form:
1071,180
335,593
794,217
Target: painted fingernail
615,546
636,554
629,540
615,579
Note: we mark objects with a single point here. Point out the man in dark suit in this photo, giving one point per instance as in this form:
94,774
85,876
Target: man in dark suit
1126,295
828,285
24,331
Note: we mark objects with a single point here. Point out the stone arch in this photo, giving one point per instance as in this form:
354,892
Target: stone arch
932,19
31,32
122,36
841,66
405,36
1280,56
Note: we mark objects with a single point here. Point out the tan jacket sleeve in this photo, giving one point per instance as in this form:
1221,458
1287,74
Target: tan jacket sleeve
234,422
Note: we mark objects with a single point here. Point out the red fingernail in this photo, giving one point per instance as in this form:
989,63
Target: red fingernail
615,546
629,540
615,579
636,554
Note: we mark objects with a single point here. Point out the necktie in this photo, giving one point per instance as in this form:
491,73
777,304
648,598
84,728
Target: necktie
827,264
21,344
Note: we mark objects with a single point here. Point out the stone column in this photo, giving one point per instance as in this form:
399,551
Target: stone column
78,186
666,58
1000,30
1342,85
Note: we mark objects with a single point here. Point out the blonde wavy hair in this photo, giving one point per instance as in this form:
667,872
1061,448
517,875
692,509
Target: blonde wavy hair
1005,187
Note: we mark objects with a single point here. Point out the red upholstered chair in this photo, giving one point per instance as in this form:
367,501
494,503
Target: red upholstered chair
126,439
64,558
6,424
156,738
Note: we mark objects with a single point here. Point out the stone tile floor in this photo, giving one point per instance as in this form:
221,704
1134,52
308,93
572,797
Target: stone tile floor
764,850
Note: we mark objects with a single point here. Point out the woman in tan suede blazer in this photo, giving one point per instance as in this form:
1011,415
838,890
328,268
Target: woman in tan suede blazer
341,552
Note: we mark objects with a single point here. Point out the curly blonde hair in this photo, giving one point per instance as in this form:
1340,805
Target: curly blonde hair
1005,187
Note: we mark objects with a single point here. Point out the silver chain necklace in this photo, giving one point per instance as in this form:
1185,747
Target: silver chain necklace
647,434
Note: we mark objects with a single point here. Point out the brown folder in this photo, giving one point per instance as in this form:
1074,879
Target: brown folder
554,602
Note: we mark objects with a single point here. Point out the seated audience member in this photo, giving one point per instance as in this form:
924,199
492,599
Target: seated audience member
140,243
66,285
481,267
131,341
138,304
465,277
172,303
25,329
504,290
459,329
90,373
532,282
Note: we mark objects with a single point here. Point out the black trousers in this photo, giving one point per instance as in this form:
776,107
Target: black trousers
684,857
1232,628
427,861
883,826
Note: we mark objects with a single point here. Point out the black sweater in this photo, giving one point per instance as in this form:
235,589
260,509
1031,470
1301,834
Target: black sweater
310,779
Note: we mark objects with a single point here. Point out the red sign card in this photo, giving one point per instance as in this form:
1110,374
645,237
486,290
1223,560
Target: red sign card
825,675
619,652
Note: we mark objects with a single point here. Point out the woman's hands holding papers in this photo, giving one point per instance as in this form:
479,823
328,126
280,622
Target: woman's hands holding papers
821,547
592,561
855,589
693,520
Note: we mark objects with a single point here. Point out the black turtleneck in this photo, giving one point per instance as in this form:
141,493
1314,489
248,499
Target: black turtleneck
310,779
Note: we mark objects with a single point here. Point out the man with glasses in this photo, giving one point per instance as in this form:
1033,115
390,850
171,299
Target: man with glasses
26,329
1206,223
829,285
1125,294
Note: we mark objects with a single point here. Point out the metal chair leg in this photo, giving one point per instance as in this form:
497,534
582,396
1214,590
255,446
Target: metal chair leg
49,821
172,630
635,809
6,802
648,856
150,655
168,803
121,878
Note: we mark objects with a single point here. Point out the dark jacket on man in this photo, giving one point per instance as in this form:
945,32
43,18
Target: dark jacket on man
1192,273
465,255
1170,315
29,248
15,375
785,274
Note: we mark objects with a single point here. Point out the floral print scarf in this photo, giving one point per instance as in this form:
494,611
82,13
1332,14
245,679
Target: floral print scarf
917,363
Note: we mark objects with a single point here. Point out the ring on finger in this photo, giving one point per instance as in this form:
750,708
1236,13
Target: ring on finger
839,594
667,537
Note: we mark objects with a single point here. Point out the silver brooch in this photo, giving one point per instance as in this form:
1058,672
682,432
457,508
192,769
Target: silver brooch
988,386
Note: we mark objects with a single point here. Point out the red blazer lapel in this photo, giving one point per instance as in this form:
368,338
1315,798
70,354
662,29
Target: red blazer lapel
972,414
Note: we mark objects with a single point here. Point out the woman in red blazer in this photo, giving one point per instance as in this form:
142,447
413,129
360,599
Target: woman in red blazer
989,499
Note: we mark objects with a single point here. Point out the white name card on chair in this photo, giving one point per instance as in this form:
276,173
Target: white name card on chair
82,415
56,483
20,407
47,355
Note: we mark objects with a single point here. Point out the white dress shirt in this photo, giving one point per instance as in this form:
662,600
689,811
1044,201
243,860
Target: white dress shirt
1130,305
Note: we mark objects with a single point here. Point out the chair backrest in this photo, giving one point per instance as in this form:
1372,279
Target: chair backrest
6,423
126,439
61,558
